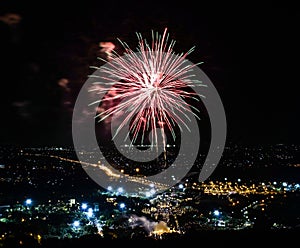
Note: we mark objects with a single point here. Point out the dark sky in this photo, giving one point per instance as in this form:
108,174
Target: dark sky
250,52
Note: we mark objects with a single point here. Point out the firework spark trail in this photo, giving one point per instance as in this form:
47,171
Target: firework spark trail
152,81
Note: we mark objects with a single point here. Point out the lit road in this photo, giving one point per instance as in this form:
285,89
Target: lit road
107,171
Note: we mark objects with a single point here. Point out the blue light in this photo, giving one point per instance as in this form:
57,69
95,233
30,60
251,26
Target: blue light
180,186
109,188
120,190
216,212
83,206
284,184
297,185
28,201
90,212
122,205
76,223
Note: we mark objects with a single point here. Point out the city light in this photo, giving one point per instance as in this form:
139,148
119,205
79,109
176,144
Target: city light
231,205
120,190
216,212
90,213
84,206
76,223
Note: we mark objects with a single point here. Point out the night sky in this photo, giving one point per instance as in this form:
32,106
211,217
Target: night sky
250,53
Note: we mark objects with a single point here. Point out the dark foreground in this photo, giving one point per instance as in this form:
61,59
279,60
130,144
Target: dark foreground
210,238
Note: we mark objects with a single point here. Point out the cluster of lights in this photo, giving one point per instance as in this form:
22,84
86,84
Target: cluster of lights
119,190
150,193
90,213
228,187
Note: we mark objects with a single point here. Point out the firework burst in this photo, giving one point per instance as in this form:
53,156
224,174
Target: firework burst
150,86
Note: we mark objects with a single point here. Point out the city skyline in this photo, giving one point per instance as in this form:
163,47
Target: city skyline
48,195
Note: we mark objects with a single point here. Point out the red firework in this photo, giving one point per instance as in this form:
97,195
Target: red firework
150,86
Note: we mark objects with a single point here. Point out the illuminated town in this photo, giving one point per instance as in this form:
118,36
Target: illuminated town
203,84
47,196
